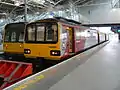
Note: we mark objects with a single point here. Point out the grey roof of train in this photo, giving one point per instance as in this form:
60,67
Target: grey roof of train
60,19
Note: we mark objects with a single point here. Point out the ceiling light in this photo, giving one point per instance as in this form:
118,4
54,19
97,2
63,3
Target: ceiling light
1,20
114,9
17,4
37,12
39,1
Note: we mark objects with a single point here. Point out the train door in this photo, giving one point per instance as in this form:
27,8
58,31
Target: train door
67,41
71,39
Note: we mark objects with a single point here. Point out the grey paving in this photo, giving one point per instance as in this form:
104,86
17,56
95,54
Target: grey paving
100,72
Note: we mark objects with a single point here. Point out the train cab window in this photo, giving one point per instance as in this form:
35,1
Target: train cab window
7,36
51,32
13,32
21,37
13,36
40,33
31,33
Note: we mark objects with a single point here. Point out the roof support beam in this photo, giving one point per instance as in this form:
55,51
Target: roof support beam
114,2
58,2
38,4
93,5
51,2
77,1
25,8
10,4
88,2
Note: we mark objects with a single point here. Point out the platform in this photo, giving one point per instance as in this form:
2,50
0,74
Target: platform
100,72
95,69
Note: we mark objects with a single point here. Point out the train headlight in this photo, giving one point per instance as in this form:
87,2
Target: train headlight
6,46
55,52
20,46
27,51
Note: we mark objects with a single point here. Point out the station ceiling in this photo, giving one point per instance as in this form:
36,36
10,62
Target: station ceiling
8,7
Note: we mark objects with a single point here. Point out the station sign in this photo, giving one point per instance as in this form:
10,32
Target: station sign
116,29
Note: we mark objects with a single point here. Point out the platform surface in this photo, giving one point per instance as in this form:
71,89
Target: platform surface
95,69
100,72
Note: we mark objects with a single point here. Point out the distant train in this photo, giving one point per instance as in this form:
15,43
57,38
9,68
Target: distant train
58,38
13,40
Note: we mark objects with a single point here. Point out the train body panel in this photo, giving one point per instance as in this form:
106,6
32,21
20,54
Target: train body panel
102,36
79,39
16,48
91,38
43,50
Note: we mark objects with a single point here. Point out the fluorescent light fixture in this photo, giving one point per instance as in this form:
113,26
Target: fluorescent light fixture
50,16
17,4
114,9
1,20
39,1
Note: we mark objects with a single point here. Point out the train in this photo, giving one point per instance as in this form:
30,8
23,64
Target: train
50,39
13,40
58,38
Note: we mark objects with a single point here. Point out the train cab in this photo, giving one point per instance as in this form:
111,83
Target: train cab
13,39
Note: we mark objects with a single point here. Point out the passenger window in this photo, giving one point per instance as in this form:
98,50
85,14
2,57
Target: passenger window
13,36
40,33
21,37
79,34
31,33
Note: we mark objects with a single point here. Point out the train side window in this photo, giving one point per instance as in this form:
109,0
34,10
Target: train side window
78,33
21,37
40,33
13,36
31,33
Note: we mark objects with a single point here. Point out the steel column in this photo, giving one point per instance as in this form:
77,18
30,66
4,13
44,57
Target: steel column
25,14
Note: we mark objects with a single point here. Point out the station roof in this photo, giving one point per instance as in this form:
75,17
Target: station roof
17,6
